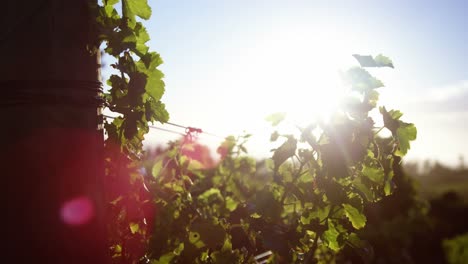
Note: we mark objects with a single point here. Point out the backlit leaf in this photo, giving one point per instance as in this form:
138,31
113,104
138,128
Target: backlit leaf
405,133
134,227
285,151
331,237
157,167
374,174
361,80
276,118
134,8
357,219
383,61
231,204
377,61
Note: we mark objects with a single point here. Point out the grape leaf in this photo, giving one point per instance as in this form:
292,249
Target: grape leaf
383,61
134,227
357,219
361,80
132,8
276,118
155,84
374,174
365,60
405,133
231,204
285,151
331,237
377,61
210,196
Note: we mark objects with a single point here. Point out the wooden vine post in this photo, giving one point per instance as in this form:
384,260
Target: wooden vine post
51,147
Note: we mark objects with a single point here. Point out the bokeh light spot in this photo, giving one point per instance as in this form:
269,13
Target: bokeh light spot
77,211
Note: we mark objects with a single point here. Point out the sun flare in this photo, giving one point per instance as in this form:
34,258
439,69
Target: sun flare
298,74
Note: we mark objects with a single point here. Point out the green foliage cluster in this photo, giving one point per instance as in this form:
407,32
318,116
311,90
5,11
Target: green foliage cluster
304,203
135,93
137,87
457,249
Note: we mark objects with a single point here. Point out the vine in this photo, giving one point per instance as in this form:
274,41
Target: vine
136,90
302,205
135,93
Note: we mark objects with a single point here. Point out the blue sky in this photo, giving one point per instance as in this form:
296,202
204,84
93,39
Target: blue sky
228,64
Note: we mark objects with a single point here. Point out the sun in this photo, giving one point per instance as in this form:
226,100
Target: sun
296,70
298,73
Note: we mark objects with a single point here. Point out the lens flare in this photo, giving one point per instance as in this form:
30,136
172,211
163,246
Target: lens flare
77,211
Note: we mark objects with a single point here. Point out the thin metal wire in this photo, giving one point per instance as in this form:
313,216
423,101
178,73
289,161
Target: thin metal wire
193,129
168,130
187,129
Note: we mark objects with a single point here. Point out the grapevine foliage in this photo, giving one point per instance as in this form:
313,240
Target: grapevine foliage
303,204
135,93
137,87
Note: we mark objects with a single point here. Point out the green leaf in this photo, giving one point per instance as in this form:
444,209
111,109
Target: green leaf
164,259
174,187
405,133
361,80
255,215
142,37
331,237
276,118
157,167
134,227
111,2
226,146
391,119
132,8
357,219
285,151
363,190
318,213
155,84
373,97
179,249
194,238
377,61
365,60
383,61
149,61
227,246
374,174
160,112
456,249
231,204
109,7
210,196
395,114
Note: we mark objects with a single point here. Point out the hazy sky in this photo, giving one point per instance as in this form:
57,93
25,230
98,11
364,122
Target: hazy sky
228,64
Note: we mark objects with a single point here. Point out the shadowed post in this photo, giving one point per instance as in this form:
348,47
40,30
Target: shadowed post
51,147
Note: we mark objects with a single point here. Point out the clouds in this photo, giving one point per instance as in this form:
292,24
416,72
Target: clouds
441,116
451,98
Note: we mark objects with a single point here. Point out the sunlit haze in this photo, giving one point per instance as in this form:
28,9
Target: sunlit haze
229,64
